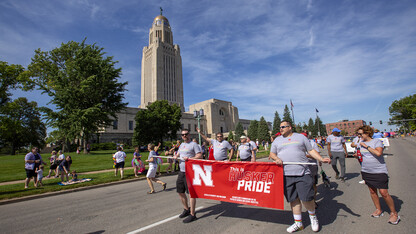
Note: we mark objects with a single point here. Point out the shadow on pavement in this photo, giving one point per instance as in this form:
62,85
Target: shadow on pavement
397,204
329,207
244,212
97,232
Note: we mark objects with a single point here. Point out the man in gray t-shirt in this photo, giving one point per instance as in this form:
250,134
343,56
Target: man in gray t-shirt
188,149
298,183
245,151
337,151
221,147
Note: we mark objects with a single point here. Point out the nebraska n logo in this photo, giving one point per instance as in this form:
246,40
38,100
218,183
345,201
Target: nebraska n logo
205,175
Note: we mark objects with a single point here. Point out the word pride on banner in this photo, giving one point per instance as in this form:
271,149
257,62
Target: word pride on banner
256,184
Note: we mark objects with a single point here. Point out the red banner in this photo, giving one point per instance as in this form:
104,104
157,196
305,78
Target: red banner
256,184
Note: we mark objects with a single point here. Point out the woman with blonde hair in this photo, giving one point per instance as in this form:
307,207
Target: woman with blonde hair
374,172
151,173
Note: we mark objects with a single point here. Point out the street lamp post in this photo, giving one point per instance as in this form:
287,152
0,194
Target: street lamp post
198,115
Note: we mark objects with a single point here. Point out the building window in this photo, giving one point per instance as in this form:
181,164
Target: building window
189,127
221,112
221,130
195,127
115,124
130,125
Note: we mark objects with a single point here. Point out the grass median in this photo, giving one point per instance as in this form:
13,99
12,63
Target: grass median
96,161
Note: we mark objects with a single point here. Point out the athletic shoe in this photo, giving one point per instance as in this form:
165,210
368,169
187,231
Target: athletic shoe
184,213
314,223
337,176
342,179
190,218
361,181
297,226
377,216
395,222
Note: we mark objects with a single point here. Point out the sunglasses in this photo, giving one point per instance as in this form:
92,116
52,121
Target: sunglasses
282,127
186,134
360,134
219,136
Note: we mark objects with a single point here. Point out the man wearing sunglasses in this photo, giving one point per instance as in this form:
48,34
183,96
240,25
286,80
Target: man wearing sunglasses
221,146
188,149
298,182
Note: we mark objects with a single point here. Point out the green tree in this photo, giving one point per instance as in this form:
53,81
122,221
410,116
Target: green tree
8,80
21,125
231,136
158,122
239,131
253,129
263,130
83,85
286,115
298,127
322,128
343,133
312,127
404,109
276,123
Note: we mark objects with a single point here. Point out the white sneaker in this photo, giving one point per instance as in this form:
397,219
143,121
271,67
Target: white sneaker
295,227
314,223
361,181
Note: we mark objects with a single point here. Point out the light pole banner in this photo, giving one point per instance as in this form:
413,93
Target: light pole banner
256,184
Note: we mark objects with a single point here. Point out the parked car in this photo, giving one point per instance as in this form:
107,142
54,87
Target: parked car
348,141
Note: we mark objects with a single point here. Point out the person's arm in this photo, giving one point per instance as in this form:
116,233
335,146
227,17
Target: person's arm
230,155
276,159
157,147
238,155
378,151
202,135
314,154
345,148
198,156
329,149
253,156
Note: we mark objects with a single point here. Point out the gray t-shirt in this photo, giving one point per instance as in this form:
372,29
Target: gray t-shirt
221,149
336,143
187,150
30,166
292,149
372,163
245,150
315,147
152,154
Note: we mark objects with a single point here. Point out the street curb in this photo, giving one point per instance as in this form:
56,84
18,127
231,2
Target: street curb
50,194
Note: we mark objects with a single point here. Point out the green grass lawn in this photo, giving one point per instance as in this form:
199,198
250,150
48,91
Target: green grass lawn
12,168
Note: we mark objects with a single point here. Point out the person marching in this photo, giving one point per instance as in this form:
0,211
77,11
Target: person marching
151,173
220,145
245,151
375,174
337,151
188,149
298,182
119,157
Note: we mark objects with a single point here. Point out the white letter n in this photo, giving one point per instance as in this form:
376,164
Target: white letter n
199,174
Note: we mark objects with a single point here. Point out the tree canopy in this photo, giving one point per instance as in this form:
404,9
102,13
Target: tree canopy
263,130
21,125
276,123
239,131
8,80
83,85
286,115
158,122
402,111
252,129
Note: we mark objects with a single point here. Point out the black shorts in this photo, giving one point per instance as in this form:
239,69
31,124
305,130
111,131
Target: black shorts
247,159
181,186
30,173
299,187
53,166
120,165
376,180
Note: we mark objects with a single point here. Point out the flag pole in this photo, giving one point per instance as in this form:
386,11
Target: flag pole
293,115
317,120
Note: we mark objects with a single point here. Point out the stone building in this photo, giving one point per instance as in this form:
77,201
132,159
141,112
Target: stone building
161,79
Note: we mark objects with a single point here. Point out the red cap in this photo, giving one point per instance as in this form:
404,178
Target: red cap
278,134
304,133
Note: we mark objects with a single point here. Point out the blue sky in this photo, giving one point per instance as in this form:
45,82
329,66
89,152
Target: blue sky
348,59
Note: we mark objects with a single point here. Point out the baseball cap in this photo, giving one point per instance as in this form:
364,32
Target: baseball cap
304,133
336,130
243,137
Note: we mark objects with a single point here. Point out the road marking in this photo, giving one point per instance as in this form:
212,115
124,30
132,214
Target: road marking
158,223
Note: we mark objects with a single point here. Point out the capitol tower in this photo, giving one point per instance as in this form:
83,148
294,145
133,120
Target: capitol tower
161,77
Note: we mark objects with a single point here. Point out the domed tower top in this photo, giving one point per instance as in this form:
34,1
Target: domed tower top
160,19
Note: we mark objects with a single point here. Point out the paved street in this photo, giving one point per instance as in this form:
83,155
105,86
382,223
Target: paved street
123,208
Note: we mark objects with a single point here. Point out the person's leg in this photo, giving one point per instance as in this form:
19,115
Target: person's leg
394,216
334,164
376,201
62,176
193,204
149,181
184,200
342,164
116,171
27,183
122,172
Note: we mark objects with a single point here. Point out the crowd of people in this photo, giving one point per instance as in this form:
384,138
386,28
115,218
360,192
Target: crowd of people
300,179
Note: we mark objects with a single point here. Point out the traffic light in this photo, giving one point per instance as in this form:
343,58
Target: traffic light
381,121
371,123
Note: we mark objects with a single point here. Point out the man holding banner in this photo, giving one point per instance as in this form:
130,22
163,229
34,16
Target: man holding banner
188,149
220,145
290,150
